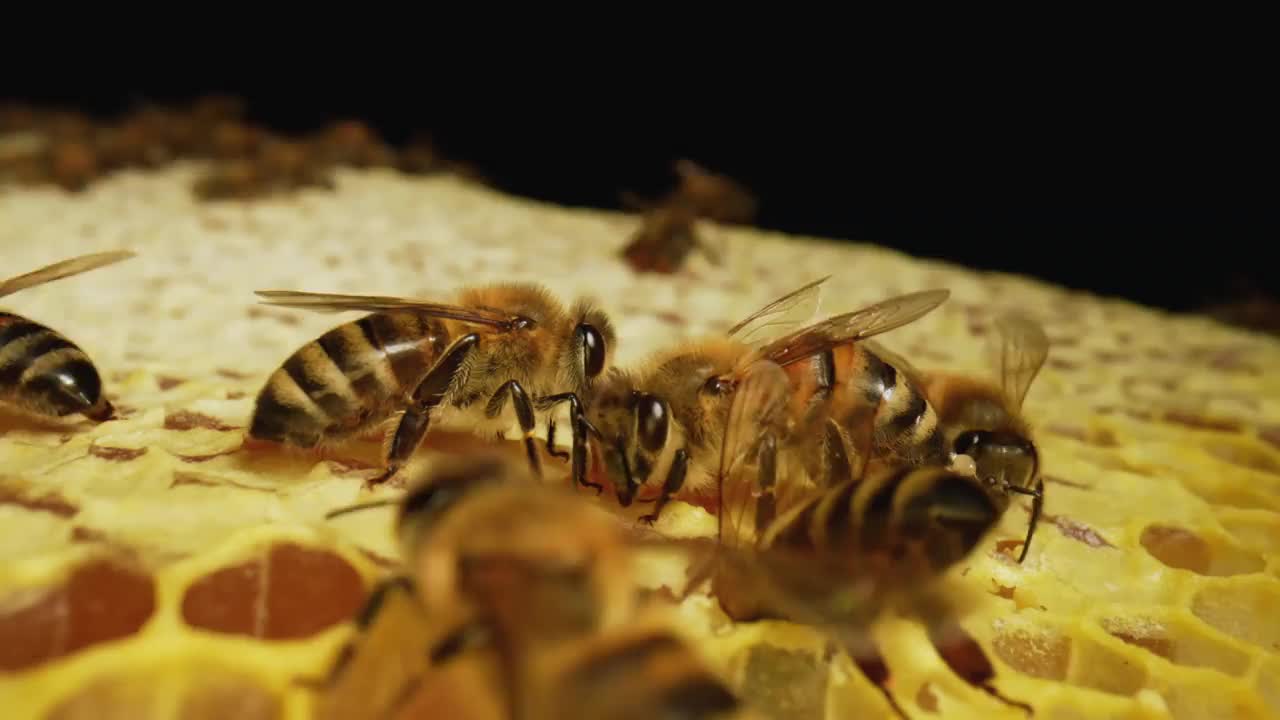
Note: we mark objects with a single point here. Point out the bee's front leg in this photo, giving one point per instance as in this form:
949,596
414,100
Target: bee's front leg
524,414
416,420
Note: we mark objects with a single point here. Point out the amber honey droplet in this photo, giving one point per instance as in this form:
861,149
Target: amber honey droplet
31,632
306,592
107,601
226,600
309,591
1177,548
101,601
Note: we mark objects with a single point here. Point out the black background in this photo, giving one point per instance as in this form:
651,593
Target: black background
1160,194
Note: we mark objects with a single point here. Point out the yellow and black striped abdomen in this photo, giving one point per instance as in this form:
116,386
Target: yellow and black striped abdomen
878,405
347,380
43,372
924,518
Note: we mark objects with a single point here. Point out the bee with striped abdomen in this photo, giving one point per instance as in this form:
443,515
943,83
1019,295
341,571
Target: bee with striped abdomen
832,550
852,409
433,363
850,405
42,373
667,418
835,558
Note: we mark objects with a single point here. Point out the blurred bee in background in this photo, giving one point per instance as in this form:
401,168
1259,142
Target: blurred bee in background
530,581
668,230
42,373
419,359
667,418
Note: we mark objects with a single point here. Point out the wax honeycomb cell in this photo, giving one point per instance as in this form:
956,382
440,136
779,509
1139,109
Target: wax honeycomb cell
1242,607
102,600
1182,548
1180,641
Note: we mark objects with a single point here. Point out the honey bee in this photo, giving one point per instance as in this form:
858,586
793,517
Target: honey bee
850,405
668,417
525,576
834,555
668,231
42,373
461,361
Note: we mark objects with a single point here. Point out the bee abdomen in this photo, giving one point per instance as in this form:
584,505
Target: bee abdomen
949,512
906,423
345,380
44,371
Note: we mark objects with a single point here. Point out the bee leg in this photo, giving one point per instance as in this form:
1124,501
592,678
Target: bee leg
675,480
877,671
579,425
551,442
1037,505
524,413
429,393
767,505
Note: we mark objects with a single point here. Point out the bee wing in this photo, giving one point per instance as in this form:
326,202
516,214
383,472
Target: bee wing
779,316
1018,352
758,402
331,302
851,327
59,270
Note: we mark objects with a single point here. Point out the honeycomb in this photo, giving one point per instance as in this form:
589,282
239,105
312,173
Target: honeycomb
148,570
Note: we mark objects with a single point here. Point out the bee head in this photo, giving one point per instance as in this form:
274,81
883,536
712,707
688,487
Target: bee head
1001,458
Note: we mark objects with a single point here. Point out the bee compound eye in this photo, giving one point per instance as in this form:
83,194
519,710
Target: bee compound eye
968,442
653,420
593,350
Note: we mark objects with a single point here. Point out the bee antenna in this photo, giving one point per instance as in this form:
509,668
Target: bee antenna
1037,506
361,506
